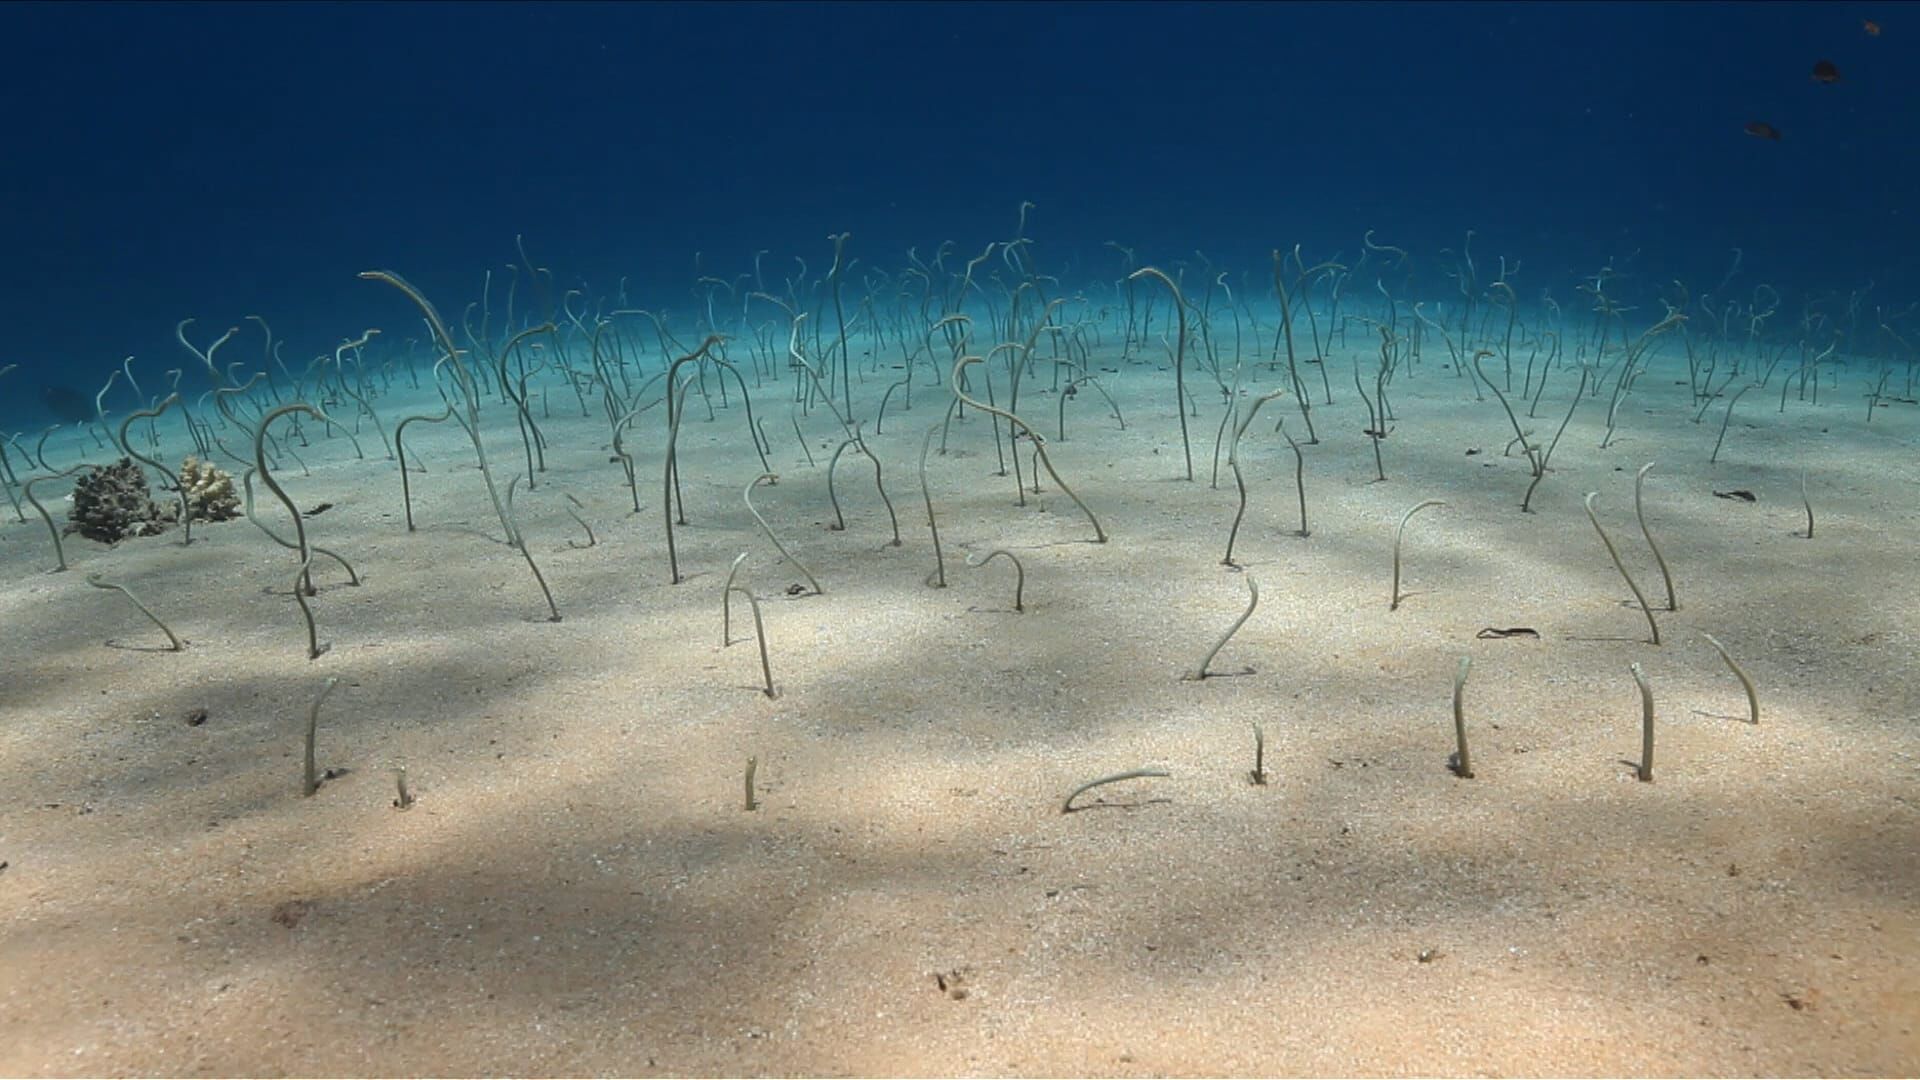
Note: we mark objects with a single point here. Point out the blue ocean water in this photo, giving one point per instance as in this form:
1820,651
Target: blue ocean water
173,161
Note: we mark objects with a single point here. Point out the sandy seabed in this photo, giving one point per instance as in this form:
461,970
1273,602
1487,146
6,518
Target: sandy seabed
578,887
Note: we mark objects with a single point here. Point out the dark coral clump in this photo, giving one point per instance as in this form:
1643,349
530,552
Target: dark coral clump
112,502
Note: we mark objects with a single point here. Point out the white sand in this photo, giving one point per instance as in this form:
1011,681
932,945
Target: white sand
579,890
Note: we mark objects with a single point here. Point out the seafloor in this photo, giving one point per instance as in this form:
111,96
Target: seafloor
579,888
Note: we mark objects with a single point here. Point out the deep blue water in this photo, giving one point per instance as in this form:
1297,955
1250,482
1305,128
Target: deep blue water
218,161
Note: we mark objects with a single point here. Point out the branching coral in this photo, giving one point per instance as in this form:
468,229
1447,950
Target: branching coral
209,490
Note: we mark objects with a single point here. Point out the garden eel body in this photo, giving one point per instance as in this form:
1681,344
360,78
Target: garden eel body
1464,767
1253,601
266,477
726,601
174,643
1394,603
759,633
1645,771
1639,511
519,541
1019,574
1039,444
186,513
1066,807
747,495
464,378
1753,696
1622,567
1808,503
59,553
400,451
312,780
1179,357
1233,461
939,560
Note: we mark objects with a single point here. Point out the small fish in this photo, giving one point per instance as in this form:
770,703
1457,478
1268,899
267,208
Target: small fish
67,404
1824,71
1872,28
1760,129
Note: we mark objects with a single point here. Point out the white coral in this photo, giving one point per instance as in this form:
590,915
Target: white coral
209,489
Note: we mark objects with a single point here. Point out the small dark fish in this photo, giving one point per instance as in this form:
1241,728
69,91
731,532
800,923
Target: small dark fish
67,404
1740,494
1825,72
1494,633
1760,129
1872,28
